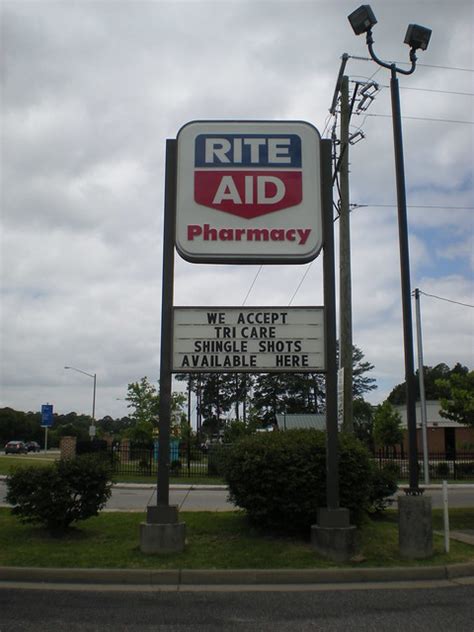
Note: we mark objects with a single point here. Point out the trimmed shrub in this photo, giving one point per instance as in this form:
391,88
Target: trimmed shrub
442,469
279,478
59,494
91,447
175,467
464,470
384,485
216,459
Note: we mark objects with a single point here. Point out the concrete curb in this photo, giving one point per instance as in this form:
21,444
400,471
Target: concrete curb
240,577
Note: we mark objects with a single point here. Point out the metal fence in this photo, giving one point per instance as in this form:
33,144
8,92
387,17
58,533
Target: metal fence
185,462
453,466
207,462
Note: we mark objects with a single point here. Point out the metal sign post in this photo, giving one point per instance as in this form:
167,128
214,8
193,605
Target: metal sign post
332,536
46,421
162,532
244,193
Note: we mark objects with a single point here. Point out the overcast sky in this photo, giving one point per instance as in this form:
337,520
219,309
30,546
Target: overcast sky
92,90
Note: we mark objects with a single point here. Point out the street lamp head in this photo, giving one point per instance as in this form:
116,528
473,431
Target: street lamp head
362,19
417,37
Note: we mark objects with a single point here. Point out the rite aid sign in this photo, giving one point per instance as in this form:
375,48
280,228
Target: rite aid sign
248,192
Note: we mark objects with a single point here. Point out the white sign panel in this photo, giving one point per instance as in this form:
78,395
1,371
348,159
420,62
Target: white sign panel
248,339
248,192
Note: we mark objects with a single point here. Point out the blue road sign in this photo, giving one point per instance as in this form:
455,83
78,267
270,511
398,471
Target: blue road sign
46,415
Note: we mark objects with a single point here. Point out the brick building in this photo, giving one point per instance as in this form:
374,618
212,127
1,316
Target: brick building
444,435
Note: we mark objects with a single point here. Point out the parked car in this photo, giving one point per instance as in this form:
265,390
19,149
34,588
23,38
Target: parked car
16,447
33,446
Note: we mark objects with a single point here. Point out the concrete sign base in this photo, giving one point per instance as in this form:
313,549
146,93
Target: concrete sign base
162,538
333,536
415,528
162,533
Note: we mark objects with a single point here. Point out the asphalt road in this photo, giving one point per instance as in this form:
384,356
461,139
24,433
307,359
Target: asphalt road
198,499
133,498
437,609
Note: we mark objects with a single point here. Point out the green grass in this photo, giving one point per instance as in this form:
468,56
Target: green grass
221,540
8,462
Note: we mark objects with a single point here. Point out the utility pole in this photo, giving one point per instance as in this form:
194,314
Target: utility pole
345,288
341,91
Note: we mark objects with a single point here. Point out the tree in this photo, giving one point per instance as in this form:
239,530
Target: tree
15,424
217,394
236,430
145,401
457,400
287,393
431,377
387,426
304,393
361,382
363,414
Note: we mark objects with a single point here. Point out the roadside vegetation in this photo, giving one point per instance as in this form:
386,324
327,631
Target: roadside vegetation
221,540
60,493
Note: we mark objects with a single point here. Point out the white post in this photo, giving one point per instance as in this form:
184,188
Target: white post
446,516
424,434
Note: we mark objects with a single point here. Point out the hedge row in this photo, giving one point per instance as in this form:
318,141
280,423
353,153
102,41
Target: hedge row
279,478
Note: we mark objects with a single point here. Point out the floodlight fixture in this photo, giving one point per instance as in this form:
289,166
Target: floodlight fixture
362,19
365,103
356,137
370,89
417,37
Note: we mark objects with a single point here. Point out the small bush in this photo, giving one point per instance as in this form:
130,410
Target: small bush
442,469
91,447
216,460
59,494
384,485
279,478
144,465
464,470
175,467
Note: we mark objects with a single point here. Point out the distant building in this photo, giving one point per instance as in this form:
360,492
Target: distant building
289,422
443,435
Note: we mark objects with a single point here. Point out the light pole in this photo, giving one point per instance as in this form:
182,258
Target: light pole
362,20
94,377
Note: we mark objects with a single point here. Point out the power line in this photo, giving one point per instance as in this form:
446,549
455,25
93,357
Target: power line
404,63
423,118
300,283
252,284
444,67
447,208
462,94
448,300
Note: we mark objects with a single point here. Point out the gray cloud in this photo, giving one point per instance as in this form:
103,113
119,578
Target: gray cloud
91,91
